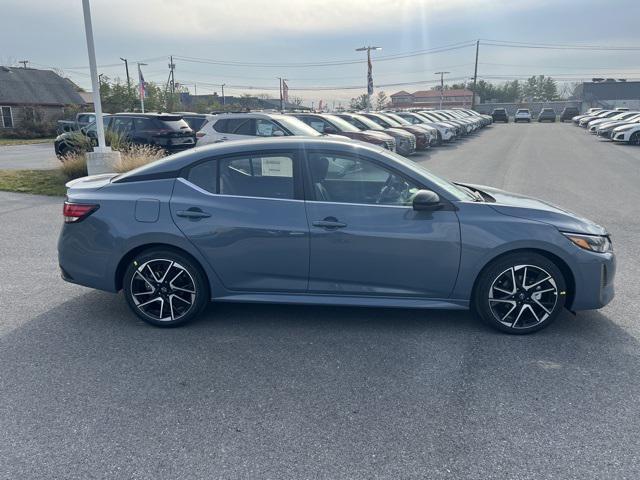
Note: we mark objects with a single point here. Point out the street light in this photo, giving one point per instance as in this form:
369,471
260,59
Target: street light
442,74
369,72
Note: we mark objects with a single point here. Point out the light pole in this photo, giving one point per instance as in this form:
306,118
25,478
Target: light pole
222,86
126,67
102,159
369,72
442,74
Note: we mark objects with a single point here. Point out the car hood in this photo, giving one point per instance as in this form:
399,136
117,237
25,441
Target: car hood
522,206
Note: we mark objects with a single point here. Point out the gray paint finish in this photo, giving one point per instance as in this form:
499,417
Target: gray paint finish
258,249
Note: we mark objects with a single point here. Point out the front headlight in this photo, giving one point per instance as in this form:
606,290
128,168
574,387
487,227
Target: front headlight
594,243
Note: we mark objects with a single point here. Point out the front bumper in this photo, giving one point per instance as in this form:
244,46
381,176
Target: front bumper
594,279
621,136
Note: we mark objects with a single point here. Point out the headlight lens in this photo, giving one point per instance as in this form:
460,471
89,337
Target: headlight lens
594,243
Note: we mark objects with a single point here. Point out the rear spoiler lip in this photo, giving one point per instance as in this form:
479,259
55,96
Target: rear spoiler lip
80,180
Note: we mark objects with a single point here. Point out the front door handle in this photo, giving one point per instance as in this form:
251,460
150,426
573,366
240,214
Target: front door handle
329,223
193,213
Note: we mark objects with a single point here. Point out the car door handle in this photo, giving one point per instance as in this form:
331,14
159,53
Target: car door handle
329,223
192,213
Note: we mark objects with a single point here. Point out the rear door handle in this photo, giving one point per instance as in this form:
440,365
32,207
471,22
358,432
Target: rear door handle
329,223
194,213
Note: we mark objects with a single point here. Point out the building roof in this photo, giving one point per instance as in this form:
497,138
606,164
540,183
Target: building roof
400,93
29,86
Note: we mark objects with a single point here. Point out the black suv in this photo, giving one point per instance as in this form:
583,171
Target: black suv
164,130
500,115
568,113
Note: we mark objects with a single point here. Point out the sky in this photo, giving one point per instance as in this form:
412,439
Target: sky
280,38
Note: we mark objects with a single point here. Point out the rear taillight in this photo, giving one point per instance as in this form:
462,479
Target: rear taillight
200,134
74,212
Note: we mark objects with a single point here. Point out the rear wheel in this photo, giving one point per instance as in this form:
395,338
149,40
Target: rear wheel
165,288
520,293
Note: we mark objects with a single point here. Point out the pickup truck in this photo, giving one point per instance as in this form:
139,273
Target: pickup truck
82,120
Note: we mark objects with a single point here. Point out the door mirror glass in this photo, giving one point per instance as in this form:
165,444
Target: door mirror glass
426,200
278,133
329,130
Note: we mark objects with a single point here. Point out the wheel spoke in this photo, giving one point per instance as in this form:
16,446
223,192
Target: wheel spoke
150,301
181,299
522,309
528,287
166,272
139,273
546,310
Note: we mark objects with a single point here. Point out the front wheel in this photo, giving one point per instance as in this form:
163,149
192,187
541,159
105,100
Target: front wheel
520,293
165,288
635,139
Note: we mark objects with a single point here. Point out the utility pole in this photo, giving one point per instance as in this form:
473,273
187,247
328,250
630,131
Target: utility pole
172,66
142,88
126,67
223,102
442,74
280,78
475,77
369,72
24,63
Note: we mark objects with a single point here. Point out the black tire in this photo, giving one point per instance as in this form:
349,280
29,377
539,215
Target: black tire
177,295
634,139
534,308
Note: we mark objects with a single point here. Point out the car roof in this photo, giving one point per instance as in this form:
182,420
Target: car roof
169,166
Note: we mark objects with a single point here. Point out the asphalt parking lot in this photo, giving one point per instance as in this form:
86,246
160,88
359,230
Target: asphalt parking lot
34,156
268,391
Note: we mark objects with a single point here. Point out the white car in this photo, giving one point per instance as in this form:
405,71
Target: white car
242,126
522,115
629,133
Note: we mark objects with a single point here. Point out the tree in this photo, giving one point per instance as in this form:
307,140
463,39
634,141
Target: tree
381,100
359,103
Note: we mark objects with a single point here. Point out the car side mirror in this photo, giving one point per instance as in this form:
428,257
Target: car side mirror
277,133
329,131
426,200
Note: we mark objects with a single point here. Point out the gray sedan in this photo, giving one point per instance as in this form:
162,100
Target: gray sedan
322,221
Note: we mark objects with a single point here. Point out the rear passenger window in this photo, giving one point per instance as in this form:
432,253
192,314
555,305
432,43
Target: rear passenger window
205,175
267,176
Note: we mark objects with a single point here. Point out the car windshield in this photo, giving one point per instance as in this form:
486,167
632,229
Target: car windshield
457,192
367,122
295,126
391,121
398,119
342,125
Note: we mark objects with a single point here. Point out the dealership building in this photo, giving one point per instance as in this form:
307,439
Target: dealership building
431,99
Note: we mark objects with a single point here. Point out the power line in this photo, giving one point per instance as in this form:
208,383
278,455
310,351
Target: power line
552,46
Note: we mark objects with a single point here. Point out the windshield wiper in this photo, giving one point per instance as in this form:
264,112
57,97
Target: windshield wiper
477,197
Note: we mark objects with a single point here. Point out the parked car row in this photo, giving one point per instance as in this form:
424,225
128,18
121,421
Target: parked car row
547,114
403,132
619,125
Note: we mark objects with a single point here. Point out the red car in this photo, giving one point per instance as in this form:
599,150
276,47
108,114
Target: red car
332,125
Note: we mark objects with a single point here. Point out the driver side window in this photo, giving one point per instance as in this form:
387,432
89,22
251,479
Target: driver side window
353,179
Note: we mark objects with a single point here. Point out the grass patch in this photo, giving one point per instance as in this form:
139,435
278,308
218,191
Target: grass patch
25,141
37,182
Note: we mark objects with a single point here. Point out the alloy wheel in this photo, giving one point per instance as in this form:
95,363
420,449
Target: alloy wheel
163,290
523,296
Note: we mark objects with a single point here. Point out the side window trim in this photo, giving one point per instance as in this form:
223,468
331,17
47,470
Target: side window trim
297,165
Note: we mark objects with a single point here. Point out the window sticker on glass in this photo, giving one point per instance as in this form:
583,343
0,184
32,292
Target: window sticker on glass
277,167
319,126
265,129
